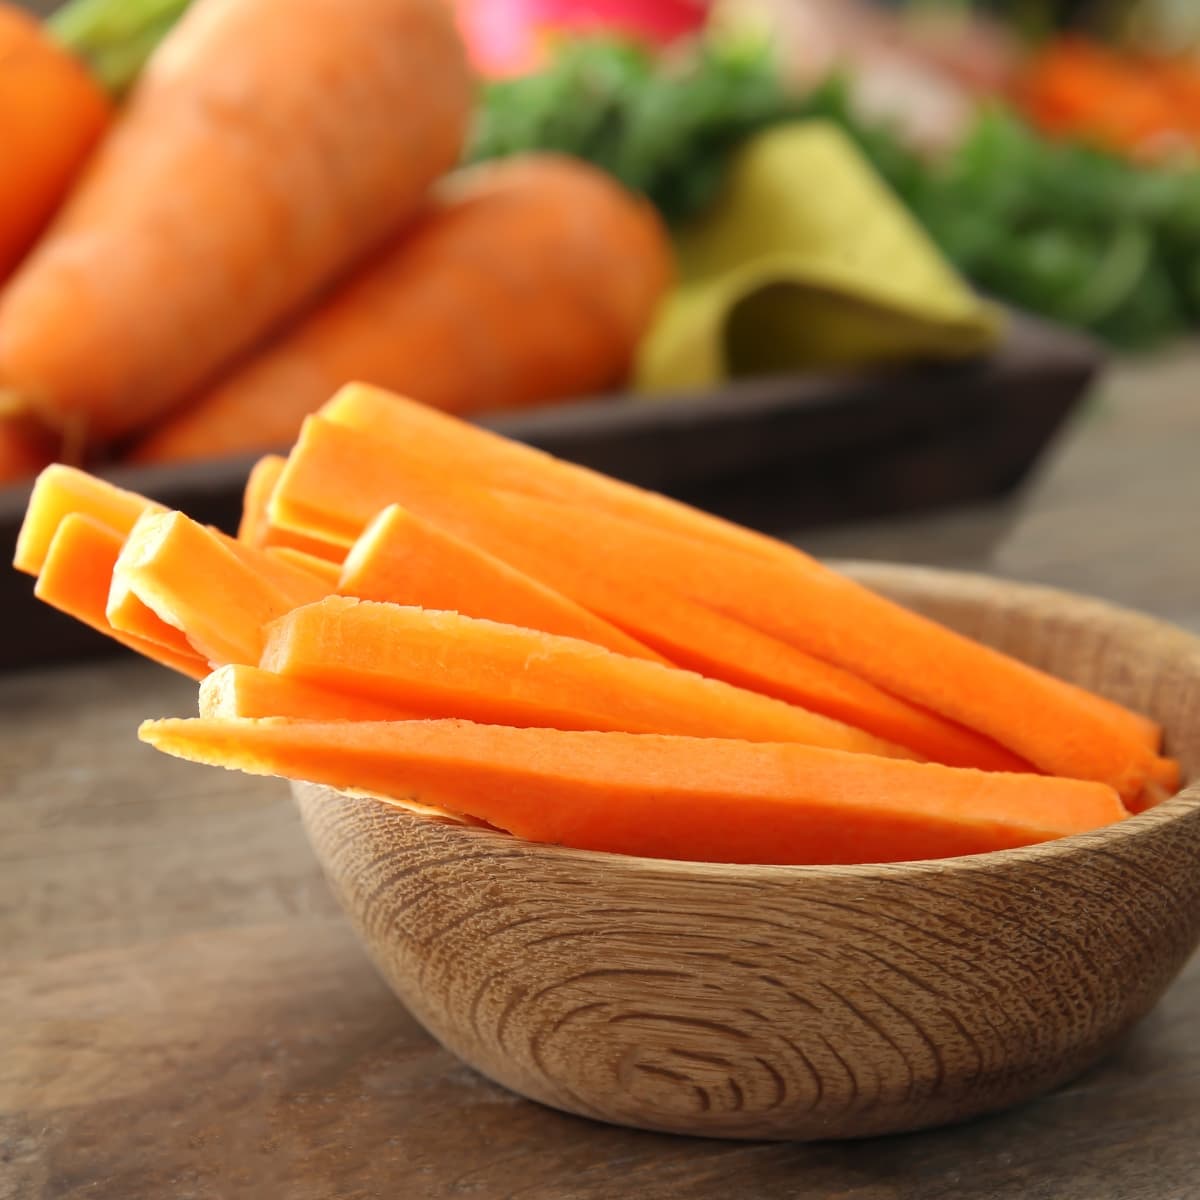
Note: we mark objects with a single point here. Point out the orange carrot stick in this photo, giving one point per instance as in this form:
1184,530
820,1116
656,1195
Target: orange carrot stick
61,490
51,115
264,150
260,483
444,665
255,528
126,613
1167,775
528,280
489,460
328,572
336,479
1164,781
194,581
289,575
1059,727
703,799
402,559
240,691
285,539
791,599
75,579
495,462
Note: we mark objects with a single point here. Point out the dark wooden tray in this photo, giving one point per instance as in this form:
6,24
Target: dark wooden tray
779,453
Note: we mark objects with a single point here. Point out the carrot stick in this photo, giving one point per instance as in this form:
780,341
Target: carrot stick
275,538
441,664
264,150
1166,774
704,799
194,581
260,483
528,281
402,559
240,691
1057,727
75,578
489,460
1164,781
337,479
51,115
61,490
126,613
255,528
1060,728
288,575
328,572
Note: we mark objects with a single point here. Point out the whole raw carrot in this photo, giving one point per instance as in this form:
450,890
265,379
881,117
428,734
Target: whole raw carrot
51,115
528,281
267,146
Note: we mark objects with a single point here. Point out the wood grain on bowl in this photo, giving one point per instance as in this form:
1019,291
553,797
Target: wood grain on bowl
799,1002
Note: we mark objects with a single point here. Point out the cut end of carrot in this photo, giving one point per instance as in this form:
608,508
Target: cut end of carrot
1165,780
329,573
76,577
60,491
127,614
1166,774
302,577
219,592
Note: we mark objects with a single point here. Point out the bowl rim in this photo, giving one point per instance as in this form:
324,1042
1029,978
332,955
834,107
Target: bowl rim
968,584
1107,837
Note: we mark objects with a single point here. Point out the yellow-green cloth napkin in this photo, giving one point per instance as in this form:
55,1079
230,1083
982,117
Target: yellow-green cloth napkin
808,260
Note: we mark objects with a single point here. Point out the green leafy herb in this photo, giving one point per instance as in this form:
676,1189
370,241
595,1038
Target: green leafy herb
664,128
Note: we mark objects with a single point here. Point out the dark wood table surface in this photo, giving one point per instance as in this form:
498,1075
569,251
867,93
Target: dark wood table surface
184,1014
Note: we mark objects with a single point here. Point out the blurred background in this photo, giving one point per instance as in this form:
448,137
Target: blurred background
1042,152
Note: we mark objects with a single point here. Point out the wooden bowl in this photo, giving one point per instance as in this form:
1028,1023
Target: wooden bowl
799,1002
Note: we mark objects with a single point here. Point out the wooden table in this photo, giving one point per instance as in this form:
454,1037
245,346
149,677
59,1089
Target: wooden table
183,1014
